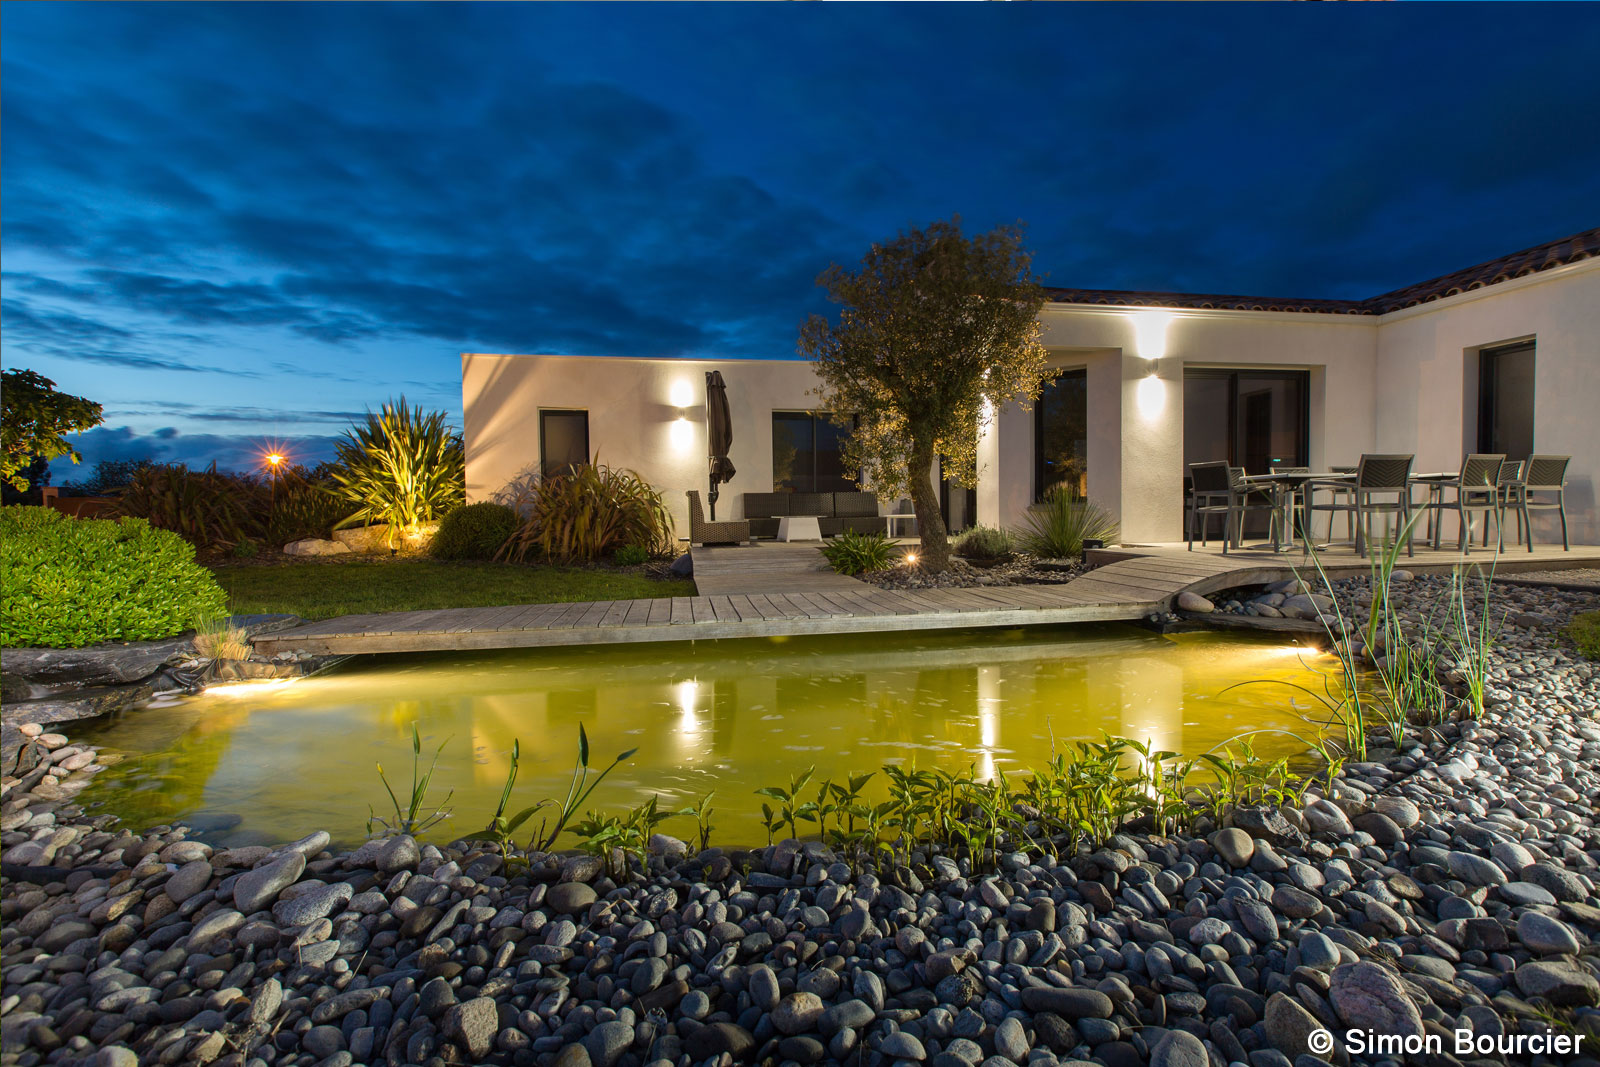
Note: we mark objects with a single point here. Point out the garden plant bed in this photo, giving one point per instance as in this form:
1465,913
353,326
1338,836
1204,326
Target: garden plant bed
1451,886
329,586
1020,569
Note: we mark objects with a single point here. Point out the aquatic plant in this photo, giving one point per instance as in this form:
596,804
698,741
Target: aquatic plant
791,809
409,818
501,828
1057,526
858,553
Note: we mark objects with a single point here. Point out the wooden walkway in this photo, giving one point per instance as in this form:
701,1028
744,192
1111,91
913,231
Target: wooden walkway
770,590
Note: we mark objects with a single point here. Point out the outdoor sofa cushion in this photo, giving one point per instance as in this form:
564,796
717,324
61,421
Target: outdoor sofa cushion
763,510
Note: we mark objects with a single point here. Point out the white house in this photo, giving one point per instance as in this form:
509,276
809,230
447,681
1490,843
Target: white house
1501,357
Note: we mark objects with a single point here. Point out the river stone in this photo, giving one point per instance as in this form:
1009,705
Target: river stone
1288,1024
1546,936
188,880
1178,1048
1011,1040
1295,903
472,1024
1558,881
572,1056
116,1056
1318,952
1560,983
1369,997
903,1046
797,1013
315,546
1196,603
719,1038
1234,845
1326,818
1208,931
399,854
1384,830
255,889
265,1004
1070,1004
1267,823
217,924
607,1042
763,986
317,904
1475,869
1403,812
1522,894
571,898
61,934
846,1015
1259,921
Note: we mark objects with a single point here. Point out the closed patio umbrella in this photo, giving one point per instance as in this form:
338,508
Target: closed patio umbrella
719,435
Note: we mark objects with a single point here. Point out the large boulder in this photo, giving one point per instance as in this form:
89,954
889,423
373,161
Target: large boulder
315,546
113,663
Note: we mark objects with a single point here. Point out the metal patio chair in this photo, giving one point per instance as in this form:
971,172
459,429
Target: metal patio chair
1477,489
1546,475
1219,491
1508,496
1379,477
1341,500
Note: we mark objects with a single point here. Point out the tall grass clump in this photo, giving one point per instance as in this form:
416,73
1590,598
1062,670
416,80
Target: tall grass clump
401,467
1584,630
858,553
211,509
984,542
1057,526
587,514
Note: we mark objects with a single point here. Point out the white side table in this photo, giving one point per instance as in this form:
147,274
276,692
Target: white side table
799,528
900,518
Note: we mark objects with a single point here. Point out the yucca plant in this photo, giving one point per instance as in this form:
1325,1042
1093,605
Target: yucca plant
858,553
401,467
587,514
1058,525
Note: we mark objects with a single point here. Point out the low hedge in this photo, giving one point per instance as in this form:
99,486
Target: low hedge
476,531
74,582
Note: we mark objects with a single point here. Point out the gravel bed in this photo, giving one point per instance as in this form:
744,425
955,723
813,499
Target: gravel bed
1451,888
1020,569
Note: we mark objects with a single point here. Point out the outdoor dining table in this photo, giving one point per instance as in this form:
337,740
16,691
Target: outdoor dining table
1284,485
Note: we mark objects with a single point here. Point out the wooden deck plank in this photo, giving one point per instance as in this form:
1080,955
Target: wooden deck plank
617,613
660,611
532,617
638,613
747,609
682,611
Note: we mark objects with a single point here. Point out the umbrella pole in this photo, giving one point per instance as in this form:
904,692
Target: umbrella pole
711,497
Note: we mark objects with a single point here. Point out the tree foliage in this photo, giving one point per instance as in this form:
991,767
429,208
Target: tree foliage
937,330
36,420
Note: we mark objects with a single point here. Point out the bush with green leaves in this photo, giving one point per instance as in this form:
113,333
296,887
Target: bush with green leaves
587,514
75,582
401,467
984,542
858,553
476,531
1058,525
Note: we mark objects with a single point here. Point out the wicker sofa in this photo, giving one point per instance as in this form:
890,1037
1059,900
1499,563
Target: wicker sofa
835,512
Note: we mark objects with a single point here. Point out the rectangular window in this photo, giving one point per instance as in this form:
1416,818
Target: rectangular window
1061,434
563,441
808,453
1505,400
1255,419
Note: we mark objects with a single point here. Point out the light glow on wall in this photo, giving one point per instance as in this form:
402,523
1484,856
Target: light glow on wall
1151,397
1150,333
681,433
681,394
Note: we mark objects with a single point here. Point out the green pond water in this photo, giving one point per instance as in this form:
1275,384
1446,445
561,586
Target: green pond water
265,762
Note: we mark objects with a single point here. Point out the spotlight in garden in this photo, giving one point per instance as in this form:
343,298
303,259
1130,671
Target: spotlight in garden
911,559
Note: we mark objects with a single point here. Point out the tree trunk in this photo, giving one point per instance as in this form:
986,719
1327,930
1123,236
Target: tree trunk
935,552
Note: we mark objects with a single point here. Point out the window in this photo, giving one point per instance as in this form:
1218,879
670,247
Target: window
1505,400
563,441
808,453
1061,434
1255,419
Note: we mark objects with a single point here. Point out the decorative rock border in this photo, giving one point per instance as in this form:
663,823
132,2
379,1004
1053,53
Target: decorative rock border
1451,888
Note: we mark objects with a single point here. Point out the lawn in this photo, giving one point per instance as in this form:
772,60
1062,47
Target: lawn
323,589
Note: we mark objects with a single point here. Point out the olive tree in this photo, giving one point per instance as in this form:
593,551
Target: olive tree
936,331
36,418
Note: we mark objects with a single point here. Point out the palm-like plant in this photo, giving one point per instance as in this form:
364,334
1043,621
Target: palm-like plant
1057,527
403,467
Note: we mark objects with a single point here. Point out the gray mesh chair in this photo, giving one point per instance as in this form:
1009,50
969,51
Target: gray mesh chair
1382,487
1341,501
1509,495
1547,476
1218,492
701,532
1477,492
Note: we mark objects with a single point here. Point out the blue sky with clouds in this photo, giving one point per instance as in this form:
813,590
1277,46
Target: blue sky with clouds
239,222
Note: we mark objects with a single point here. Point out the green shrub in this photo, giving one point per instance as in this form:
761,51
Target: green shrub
210,509
856,553
75,582
1585,633
476,531
402,467
984,542
1058,525
587,514
632,555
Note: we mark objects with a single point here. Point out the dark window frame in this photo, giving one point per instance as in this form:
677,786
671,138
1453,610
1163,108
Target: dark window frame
1232,375
1039,476
817,418
544,463
1488,394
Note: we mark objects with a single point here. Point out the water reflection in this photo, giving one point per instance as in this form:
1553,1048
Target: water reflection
725,715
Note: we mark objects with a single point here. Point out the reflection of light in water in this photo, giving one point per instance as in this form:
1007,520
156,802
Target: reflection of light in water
688,717
254,688
988,719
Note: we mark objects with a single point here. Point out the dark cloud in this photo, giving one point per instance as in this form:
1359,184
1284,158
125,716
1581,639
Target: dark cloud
240,452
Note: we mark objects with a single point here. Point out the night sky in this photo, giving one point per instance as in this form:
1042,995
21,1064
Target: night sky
233,223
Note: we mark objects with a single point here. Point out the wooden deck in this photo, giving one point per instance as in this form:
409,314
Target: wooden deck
772,589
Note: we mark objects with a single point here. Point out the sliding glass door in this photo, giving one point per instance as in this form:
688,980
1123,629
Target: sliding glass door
1255,419
1505,400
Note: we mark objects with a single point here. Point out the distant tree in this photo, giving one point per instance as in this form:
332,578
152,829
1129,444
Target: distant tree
35,422
937,331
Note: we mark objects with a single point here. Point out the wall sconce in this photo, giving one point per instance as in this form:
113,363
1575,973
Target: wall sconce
1150,335
681,395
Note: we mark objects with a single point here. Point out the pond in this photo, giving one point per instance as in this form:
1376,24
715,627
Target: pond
266,762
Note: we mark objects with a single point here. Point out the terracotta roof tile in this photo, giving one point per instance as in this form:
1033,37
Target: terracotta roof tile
1549,255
